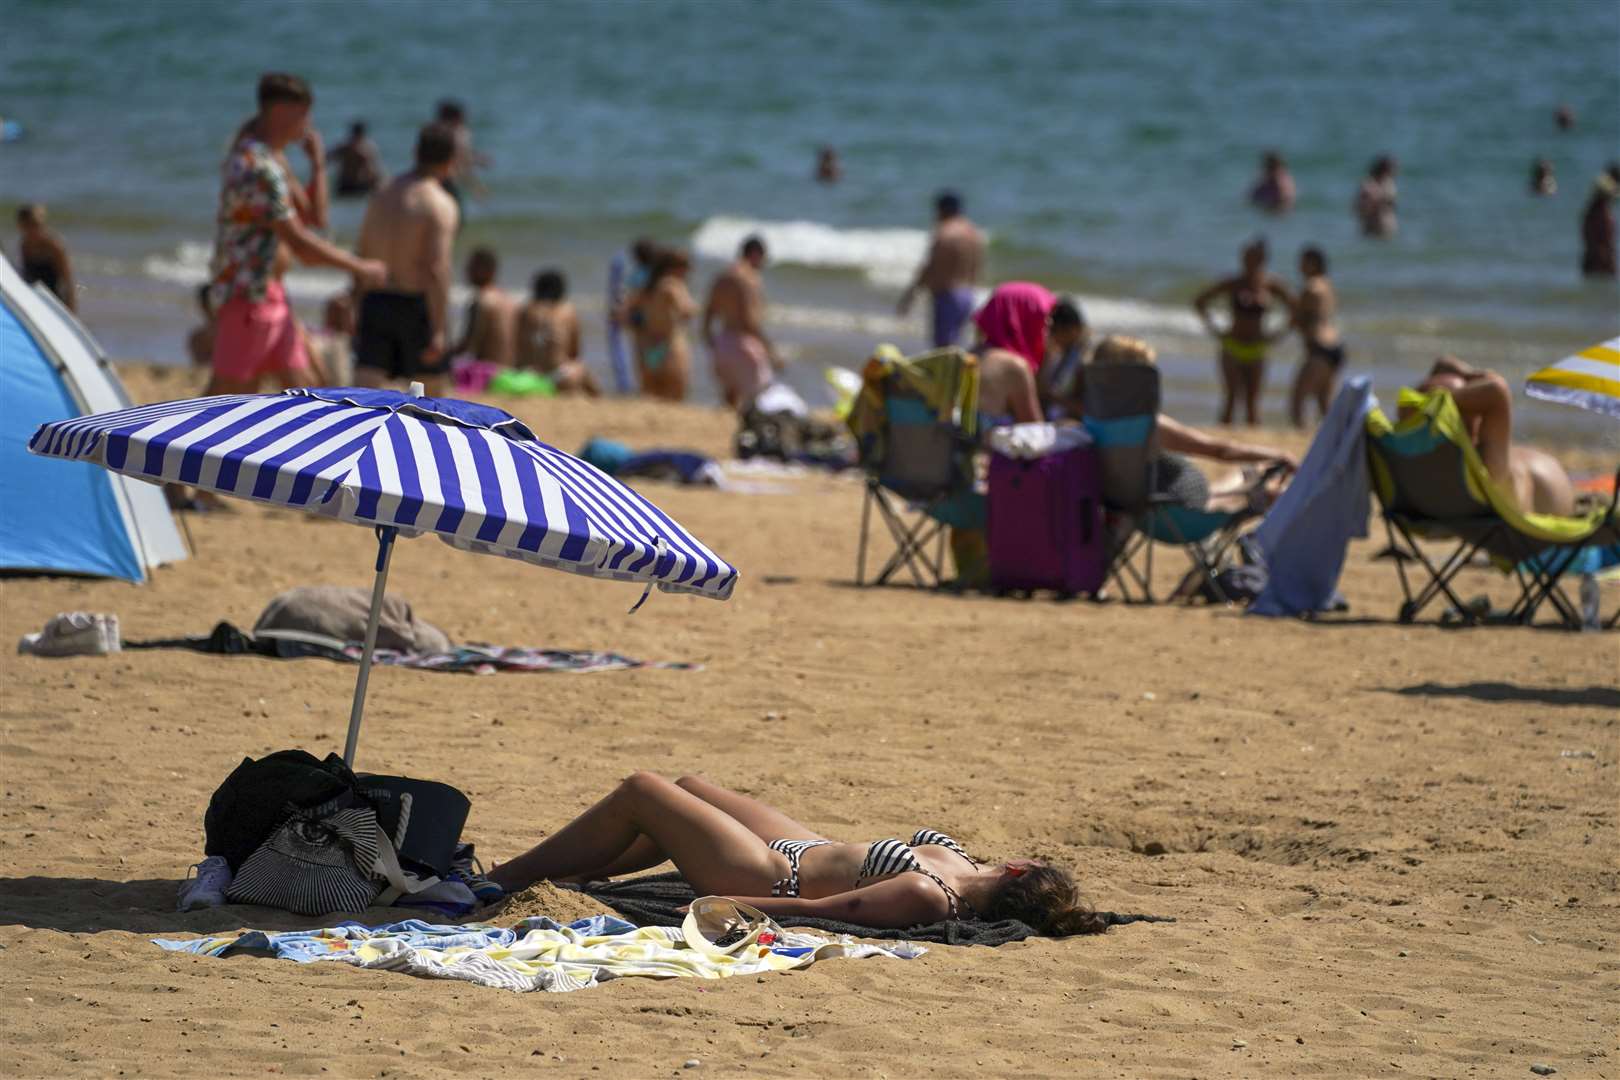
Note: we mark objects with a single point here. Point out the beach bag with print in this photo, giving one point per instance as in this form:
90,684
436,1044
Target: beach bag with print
258,796
318,860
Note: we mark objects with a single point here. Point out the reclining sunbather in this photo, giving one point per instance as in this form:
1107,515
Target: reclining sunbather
1177,476
728,844
1534,478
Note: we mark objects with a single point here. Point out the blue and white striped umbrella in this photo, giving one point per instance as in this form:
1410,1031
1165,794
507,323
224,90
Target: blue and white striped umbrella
471,474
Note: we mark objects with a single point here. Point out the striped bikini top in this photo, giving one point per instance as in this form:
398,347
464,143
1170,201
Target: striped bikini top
891,856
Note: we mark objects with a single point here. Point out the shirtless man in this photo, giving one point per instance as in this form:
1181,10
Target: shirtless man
492,315
410,225
1535,479
1316,307
264,217
949,273
359,166
44,256
745,361
548,336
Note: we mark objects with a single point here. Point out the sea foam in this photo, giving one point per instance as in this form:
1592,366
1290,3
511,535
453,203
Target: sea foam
886,257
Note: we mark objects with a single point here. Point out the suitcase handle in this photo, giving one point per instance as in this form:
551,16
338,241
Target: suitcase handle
1086,521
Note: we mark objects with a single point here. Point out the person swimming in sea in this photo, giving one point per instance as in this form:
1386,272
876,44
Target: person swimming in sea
1375,198
1274,191
1542,180
1244,341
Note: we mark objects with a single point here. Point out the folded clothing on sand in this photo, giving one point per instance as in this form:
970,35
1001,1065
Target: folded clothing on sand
679,466
340,612
544,955
656,900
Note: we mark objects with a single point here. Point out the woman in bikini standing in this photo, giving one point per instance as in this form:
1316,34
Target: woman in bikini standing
1316,313
1244,342
728,844
666,306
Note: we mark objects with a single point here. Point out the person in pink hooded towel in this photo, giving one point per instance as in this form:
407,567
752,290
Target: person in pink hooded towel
1012,346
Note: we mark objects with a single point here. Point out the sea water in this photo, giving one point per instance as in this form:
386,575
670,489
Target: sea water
1106,148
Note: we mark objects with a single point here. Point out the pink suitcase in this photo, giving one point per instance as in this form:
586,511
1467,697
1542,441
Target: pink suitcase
1045,525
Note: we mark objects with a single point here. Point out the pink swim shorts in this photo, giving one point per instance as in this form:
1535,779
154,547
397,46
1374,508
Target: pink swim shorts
742,366
256,340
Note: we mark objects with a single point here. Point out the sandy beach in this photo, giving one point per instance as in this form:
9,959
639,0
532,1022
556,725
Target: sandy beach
1390,850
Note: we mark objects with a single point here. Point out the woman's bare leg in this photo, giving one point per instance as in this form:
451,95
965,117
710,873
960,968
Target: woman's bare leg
1298,392
763,820
713,850
1313,382
1254,381
642,854
1230,374
1325,388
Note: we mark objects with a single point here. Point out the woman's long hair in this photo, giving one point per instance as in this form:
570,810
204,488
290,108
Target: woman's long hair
1046,898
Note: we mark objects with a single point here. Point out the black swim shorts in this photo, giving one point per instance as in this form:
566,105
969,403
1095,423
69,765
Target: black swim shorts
394,329
1331,355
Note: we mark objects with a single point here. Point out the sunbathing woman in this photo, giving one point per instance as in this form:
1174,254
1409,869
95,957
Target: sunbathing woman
728,844
1534,478
1174,474
1244,342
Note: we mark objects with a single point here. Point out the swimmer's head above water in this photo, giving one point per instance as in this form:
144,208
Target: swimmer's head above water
1255,253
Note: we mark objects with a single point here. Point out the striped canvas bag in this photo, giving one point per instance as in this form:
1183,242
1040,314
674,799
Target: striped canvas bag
319,860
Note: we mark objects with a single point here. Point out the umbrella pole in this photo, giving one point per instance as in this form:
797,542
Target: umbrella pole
385,550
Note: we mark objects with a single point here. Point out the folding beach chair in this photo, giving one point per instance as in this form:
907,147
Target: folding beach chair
1122,415
1209,538
1122,410
913,424
1431,483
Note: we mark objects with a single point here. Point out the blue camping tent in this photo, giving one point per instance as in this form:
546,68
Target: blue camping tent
69,517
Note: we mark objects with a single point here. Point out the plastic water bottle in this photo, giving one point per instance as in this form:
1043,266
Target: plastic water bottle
1591,612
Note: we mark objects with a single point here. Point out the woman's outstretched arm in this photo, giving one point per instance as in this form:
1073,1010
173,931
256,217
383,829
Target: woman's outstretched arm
906,900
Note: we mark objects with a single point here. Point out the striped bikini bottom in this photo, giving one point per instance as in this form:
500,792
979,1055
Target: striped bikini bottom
883,857
794,850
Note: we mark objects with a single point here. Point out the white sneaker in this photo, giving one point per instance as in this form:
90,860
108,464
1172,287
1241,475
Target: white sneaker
207,889
75,633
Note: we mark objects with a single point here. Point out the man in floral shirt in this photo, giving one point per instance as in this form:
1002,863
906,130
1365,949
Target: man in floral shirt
258,335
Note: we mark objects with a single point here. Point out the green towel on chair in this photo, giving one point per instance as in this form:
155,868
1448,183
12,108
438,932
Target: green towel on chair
1435,419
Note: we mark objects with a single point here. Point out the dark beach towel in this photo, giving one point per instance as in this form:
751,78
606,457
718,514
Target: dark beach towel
227,640
655,900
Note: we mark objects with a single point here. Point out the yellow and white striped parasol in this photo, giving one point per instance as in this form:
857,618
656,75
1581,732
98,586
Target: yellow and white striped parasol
1589,380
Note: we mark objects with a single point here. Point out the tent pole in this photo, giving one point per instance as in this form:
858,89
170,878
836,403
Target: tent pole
385,551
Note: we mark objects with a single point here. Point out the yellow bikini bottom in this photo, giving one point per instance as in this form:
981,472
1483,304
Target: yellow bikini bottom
1244,352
